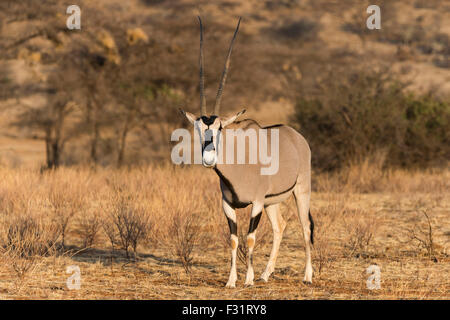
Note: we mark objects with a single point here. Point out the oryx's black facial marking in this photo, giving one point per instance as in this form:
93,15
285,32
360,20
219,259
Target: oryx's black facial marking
208,140
209,145
233,226
254,221
208,120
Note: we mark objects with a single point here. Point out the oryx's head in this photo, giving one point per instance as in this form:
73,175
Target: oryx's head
210,127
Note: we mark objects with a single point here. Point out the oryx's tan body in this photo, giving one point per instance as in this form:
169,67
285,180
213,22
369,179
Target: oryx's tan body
243,184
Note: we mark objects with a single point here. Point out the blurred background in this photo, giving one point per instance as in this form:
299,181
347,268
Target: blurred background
108,94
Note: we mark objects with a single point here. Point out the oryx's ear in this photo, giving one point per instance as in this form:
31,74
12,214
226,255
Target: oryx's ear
232,118
188,116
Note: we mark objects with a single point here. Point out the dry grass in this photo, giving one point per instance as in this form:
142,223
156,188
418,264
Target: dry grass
368,176
172,218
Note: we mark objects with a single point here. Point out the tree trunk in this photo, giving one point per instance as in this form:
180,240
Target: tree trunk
48,148
56,153
122,145
94,141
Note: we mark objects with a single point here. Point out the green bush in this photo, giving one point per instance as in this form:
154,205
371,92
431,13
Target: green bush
358,115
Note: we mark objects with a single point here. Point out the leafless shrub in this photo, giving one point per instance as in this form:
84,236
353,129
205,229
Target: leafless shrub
110,231
127,224
325,222
65,203
24,237
360,229
185,231
28,239
422,235
322,250
88,228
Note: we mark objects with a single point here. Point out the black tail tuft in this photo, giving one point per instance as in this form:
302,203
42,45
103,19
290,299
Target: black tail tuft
311,226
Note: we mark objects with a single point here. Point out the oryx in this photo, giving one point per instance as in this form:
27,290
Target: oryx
243,184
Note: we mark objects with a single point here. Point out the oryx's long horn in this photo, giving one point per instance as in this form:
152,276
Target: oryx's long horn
202,76
225,71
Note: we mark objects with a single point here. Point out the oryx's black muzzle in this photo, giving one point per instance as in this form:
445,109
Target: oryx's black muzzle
209,151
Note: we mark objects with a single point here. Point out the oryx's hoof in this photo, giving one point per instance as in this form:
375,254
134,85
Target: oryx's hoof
260,280
265,277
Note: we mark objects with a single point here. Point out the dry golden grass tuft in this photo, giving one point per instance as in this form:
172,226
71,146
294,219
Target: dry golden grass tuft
171,218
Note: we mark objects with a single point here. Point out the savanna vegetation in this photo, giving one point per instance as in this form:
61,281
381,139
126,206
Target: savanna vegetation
160,233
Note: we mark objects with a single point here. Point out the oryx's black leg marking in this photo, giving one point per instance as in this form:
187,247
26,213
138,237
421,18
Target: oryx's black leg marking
233,226
311,226
254,221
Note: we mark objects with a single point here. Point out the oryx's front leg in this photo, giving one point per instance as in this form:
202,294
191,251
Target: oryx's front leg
231,217
251,238
278,225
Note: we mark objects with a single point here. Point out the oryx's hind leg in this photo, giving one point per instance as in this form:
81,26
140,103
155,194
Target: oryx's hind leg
278,224
231,217
302,197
